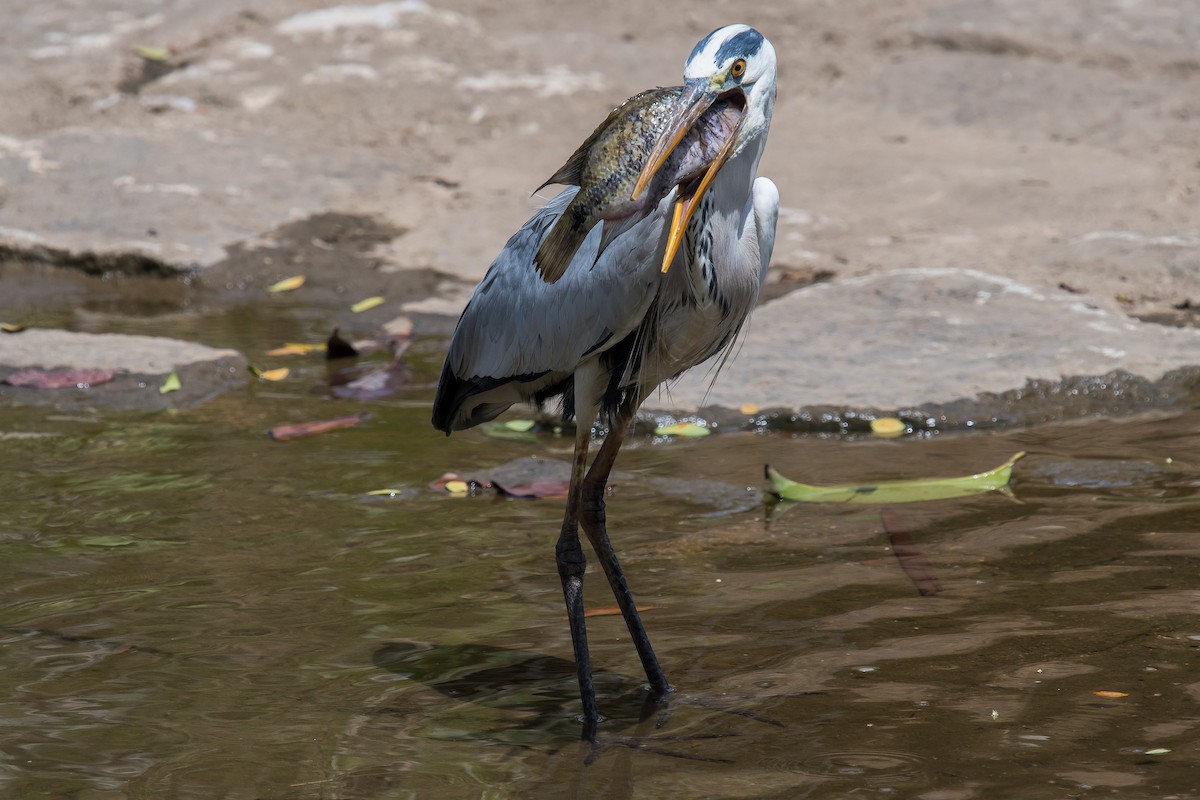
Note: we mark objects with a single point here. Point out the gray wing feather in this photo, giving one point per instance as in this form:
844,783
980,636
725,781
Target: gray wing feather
519,334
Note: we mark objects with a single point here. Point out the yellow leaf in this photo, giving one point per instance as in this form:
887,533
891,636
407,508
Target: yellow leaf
9,327
171,384
366,305
906,491
457,487
682,429
1111,694
520,425
274,374
152,53
749,408
888,427
388,492
290,350
287,284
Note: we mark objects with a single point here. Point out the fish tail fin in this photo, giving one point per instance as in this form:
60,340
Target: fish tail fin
559,248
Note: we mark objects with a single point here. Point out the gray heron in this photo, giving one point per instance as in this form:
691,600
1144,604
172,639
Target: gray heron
669,289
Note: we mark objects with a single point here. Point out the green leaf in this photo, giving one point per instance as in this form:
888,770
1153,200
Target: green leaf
171,384
509,432
150,53
907,491
366,305
682,429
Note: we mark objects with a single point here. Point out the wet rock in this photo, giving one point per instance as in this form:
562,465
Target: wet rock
142,364
943,347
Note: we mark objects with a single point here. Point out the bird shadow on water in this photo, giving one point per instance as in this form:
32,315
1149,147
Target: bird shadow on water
537,696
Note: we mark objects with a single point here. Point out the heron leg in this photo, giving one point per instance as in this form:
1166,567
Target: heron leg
571,563
592,518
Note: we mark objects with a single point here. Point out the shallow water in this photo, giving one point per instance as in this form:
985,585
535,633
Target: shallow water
191,610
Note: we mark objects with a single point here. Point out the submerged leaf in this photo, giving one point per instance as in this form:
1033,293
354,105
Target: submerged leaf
9,327
282,433
682,429
612,611
171,384
60,378
287,284
512,431
271,374
367,304
535,489
107,541
904,491
1105,693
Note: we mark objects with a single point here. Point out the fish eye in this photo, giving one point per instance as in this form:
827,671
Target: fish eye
739,68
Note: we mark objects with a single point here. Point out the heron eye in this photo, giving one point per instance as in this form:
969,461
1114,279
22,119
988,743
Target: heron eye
739,68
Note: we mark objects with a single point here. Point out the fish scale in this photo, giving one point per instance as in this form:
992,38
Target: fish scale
607,165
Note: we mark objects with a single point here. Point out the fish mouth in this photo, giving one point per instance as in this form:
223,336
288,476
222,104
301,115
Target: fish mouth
696,99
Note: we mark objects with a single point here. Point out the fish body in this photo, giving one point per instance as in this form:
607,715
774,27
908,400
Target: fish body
607,165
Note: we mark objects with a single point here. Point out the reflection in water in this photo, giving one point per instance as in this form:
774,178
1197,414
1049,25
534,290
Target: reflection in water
188,609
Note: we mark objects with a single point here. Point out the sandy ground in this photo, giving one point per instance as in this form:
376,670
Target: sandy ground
1052,144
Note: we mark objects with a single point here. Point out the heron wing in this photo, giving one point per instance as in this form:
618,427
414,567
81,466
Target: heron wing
519,335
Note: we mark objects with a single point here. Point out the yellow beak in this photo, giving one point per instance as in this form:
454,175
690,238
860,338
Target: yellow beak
697,98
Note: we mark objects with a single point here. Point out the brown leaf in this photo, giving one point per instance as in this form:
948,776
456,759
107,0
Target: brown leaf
60,378
301,429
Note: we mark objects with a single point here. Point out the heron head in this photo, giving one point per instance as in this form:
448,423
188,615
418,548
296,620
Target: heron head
730,61
735,63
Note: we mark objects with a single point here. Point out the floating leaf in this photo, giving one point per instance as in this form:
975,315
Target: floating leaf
269,374
60,378
171,384
888,427
284,432
384,492
520,425
1104,693
749,408
457,484
287,284
152,53
295,349
1158,751
682,429
906,491
9,327
366,305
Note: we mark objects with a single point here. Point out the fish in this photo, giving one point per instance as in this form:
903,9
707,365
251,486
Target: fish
607,165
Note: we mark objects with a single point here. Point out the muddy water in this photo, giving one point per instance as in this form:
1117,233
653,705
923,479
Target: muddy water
191,610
